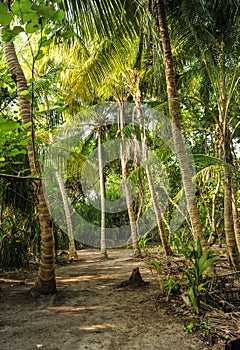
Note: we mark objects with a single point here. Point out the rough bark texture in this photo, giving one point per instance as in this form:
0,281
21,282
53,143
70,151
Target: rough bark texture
45,282
180,148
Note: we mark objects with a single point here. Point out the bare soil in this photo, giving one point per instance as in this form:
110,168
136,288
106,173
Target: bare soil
90,310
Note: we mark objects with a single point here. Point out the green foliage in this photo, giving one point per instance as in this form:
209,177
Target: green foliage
5,15
7,126
189,328
198,281
33,17
156,265
170,286
142,242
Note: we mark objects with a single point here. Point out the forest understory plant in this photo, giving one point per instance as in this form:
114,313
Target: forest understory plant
193,283
197,279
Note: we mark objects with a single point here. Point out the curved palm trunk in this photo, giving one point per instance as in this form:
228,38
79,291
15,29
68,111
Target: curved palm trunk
45,282
180,148
102,191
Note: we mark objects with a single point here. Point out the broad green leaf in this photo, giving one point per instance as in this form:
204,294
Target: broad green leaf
26,6
44,11
9,35
14,152
32,26
5,18
58,16
7,126
3,8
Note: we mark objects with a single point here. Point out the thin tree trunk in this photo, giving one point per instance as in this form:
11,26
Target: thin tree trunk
233,252
45,282
156,205
226,155
180,148
102,191
236,220
68,216
123,157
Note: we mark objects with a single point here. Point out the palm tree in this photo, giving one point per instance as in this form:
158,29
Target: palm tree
215,40
124,150
45,282
159,11
105,18
155,201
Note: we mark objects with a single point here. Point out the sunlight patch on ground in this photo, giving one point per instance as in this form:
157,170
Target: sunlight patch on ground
78,308
71,310
95,327
85,278
19,281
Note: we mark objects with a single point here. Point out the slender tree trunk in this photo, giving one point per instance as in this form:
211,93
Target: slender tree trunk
226,155
180,147
233,252
68,216
72,248
45,282
236,220
124,158
156,205
103,195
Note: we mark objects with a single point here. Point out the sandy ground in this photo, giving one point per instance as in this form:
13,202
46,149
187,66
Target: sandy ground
89,311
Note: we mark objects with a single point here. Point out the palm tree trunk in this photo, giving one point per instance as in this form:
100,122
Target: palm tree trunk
226,155
123,157
102,191
233,252
72,248
45,282
156,205
173,105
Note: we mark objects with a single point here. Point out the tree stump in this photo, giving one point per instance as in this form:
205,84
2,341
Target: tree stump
134,281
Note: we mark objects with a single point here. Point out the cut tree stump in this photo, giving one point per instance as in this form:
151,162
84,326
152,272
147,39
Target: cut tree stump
134,281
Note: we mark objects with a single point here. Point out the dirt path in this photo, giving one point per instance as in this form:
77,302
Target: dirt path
89,312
